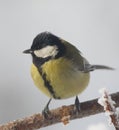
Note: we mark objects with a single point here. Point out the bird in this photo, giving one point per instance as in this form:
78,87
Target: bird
58,68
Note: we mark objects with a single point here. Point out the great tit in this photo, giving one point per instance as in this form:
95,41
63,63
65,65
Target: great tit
59,70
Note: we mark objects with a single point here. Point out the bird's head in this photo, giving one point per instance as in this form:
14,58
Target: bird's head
46,46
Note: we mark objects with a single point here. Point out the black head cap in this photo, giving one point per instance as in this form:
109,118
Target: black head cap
46,38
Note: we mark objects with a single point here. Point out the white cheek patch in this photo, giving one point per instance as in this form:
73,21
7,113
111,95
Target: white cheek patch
47,51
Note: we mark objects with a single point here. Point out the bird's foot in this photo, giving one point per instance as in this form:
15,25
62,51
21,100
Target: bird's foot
77,105
46,111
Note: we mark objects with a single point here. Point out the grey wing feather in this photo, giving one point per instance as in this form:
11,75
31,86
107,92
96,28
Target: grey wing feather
88,67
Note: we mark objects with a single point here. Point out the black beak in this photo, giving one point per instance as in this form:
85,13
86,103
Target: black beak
29,51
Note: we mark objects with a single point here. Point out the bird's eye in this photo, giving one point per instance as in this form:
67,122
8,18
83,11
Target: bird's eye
46,51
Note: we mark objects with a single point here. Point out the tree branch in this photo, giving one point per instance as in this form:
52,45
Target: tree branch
61,114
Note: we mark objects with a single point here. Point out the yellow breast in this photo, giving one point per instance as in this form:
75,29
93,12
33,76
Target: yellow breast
66,81
38,81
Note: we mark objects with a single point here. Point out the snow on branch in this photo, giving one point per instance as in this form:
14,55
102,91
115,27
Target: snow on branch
109,108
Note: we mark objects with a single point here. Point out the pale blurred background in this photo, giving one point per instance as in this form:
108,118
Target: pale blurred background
91,25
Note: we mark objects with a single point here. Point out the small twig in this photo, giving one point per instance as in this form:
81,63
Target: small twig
109,108
61,114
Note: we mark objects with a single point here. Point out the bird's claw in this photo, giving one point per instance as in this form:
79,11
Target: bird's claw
46,111
77,105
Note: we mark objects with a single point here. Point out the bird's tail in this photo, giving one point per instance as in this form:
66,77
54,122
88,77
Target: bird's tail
101,67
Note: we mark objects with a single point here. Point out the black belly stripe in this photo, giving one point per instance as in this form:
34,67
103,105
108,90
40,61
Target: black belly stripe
47,84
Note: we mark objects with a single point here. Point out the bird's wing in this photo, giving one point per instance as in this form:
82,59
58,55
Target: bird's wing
88,67
81,63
